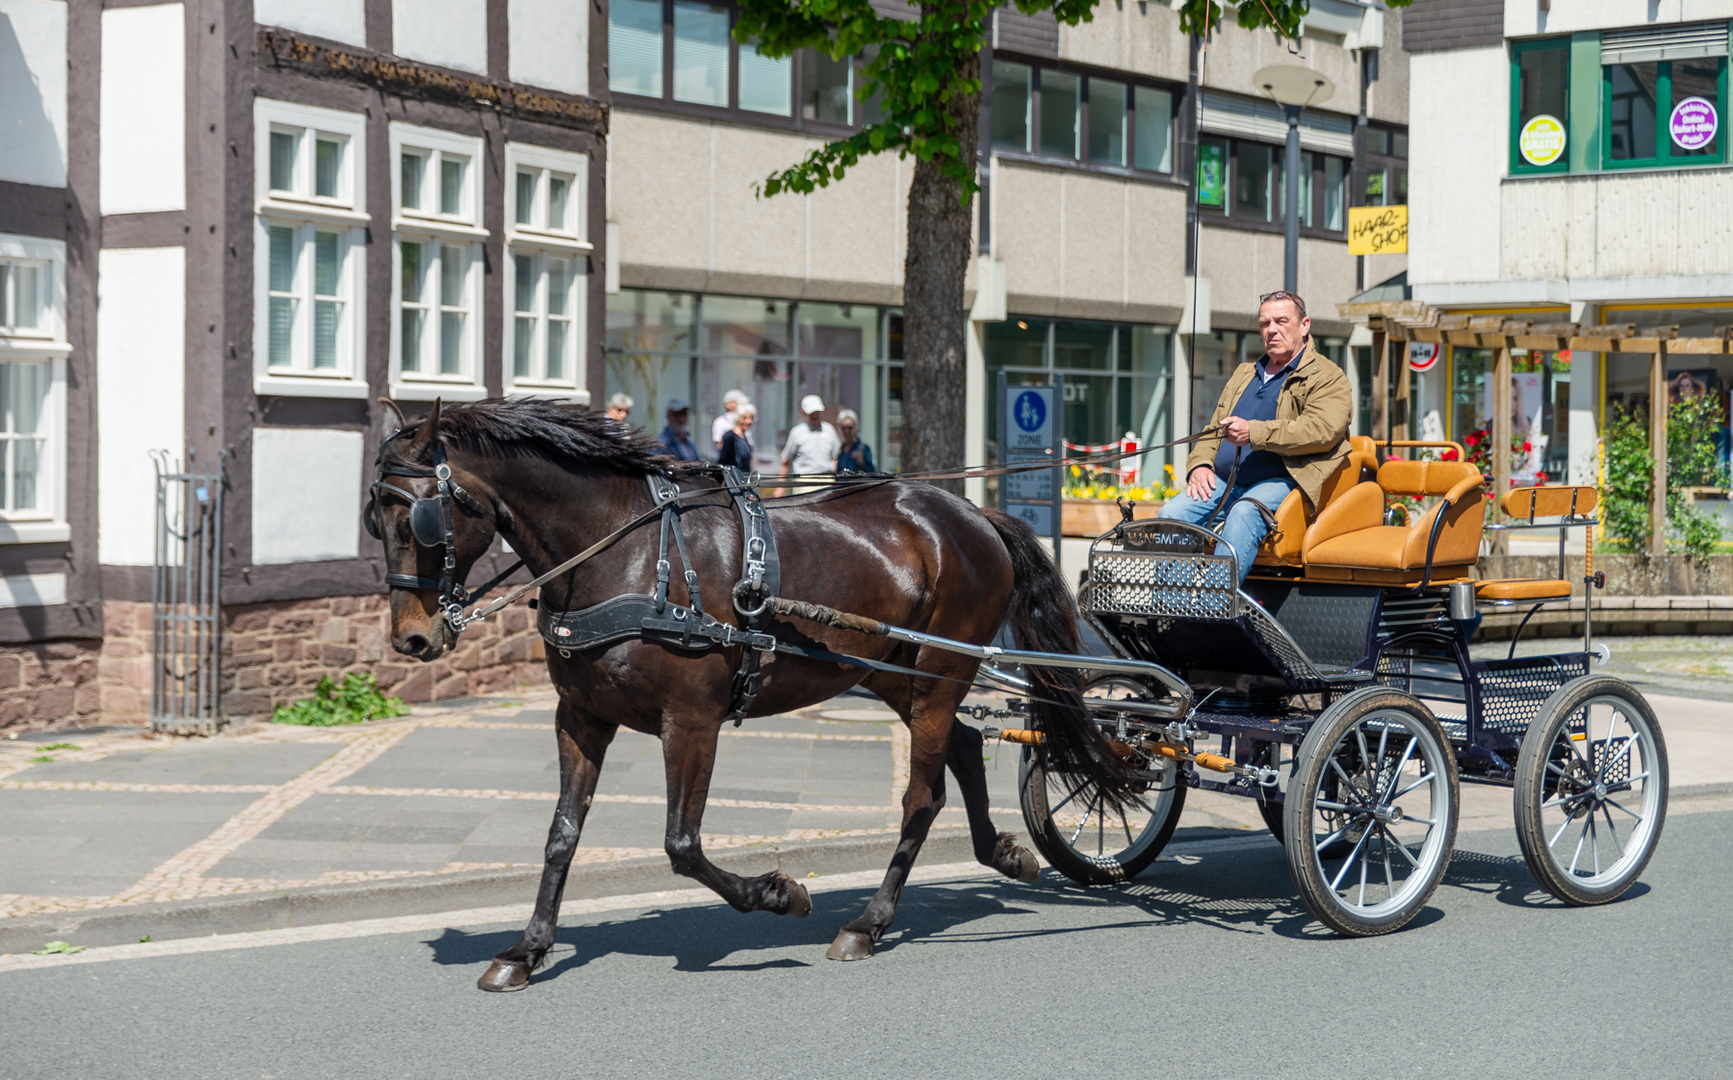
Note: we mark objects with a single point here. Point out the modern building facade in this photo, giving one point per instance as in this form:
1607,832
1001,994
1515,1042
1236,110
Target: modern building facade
1570,165
1092,138
226,227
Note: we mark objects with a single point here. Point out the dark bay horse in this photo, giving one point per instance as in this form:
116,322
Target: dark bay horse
553,479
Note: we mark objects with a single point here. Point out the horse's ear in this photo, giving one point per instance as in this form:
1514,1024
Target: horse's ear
402,421
428,427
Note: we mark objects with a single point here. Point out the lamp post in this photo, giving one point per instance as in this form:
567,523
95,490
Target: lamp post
1293,88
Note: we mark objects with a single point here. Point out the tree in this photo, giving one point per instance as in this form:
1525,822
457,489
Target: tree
926,72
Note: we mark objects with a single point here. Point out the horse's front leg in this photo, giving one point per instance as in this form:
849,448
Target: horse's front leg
583,741
992,847
689,755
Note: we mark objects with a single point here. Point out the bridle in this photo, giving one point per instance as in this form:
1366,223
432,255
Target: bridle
430,522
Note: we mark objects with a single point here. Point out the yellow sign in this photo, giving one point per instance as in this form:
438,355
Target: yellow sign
1377,230
1542,140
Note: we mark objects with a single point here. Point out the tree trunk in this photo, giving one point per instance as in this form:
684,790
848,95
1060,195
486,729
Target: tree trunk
934,347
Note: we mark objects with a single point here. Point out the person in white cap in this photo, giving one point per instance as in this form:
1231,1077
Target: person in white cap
731,401
812,445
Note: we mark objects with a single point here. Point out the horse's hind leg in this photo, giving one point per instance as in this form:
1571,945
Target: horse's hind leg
583,742
992,847
689,753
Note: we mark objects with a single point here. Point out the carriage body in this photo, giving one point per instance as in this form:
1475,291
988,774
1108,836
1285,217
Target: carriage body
1295,677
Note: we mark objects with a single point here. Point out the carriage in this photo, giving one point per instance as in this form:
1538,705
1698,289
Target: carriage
1336,689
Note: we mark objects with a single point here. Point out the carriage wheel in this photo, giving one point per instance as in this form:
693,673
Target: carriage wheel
1591,790
1371,812
1077,833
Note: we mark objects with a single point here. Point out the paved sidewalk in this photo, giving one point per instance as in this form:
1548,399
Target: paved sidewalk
451,804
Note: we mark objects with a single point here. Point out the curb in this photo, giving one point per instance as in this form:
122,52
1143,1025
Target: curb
316,905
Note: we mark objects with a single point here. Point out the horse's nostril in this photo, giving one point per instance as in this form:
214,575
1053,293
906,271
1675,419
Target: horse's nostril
415,643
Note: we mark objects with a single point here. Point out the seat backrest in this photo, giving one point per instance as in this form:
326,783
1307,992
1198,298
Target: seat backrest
1286,540
1420,479
1551,501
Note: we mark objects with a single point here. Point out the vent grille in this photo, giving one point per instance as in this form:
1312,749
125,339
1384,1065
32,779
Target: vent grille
1265,122
1150,583
1663,43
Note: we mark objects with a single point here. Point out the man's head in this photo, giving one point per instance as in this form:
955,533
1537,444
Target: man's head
732,400
679,414
1283,324
848,424
812,405
619,406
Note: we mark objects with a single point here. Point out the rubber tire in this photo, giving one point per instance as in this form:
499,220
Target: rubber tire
1530,791
1065,859
1313,759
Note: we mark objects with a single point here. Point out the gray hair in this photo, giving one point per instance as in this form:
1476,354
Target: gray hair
745,408
848,414
620,401
1283,294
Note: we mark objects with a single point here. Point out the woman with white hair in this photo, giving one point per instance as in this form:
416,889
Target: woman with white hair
731,402
855,456
734,448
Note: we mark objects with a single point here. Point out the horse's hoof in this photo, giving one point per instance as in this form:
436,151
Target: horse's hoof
503,976
799,903
850,945
1027,868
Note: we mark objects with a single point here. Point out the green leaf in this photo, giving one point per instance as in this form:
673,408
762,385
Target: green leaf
58,947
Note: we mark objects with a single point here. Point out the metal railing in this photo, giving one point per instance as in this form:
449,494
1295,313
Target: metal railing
186,598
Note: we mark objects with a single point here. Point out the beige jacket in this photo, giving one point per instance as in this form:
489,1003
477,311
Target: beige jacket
1310,430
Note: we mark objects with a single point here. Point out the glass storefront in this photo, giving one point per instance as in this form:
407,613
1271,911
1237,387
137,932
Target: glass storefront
1627,374
698,347
1118,380
1540,406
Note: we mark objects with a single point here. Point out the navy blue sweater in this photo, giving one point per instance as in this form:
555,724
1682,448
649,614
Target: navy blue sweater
1258,402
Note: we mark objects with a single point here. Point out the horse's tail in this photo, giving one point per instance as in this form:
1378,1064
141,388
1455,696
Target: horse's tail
1043,618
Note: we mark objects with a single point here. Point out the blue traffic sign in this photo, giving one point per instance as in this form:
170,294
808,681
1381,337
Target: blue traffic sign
1030,411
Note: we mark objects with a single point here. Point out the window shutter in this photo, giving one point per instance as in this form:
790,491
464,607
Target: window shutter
1663,43
1264,122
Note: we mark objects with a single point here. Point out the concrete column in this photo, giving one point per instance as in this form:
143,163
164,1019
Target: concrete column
1380,385
1181,399
1585,412
1500,378
975,410
1658,452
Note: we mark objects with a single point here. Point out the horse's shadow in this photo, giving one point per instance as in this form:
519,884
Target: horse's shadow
1245,891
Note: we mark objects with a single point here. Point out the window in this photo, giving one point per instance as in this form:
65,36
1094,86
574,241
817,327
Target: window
547,263
766,83
1664,112
826,89
635,47
33,352
1386,167
436,277
308,270
1058,114
1539,105
1243,181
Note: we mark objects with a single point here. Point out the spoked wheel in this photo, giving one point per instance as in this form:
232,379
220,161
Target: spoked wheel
1077,833
1371,812
1591,790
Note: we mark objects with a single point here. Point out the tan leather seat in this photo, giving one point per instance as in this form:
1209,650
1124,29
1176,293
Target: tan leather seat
1554,500
1508,590
1284,543
1350,542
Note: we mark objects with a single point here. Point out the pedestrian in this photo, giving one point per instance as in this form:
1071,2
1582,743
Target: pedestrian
674,440
812,445
619,408
855,456
736,446
731,402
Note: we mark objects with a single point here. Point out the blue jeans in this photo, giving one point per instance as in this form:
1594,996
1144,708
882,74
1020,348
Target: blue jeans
1244,527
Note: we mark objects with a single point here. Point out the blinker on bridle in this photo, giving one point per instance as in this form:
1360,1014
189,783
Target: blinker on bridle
430,524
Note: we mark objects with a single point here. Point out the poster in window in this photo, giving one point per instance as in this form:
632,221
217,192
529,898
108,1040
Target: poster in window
1693,124
1542,140
1211,175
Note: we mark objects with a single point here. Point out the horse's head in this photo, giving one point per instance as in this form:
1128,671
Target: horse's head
434,521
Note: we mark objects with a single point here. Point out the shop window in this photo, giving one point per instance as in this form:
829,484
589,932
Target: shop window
1539,105
1664,112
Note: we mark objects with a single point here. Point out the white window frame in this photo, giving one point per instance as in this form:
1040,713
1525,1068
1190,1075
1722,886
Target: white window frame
437,231
46,345
344,213
539,240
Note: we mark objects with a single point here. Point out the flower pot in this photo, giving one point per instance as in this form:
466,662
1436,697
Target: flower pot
1092,517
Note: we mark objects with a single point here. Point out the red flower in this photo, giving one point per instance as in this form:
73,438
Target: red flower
1540,478
1448,455
1473,440
1526,447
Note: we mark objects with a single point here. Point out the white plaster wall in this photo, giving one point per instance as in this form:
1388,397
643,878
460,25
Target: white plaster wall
1619,224
339,20
33,92
550,44
306,494
140,391
1521,20
1459,104
143,117
450,33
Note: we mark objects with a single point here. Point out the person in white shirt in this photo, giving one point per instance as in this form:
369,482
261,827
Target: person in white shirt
731,401
812,445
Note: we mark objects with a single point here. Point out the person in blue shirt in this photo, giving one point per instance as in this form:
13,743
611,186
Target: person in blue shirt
855,456
674,440
735,447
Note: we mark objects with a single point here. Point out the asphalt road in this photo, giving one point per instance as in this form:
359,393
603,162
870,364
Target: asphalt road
1206,966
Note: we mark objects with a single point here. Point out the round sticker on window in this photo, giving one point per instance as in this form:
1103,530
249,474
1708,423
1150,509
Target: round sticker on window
1693,124
1542,140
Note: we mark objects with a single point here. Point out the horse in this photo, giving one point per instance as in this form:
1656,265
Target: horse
552,478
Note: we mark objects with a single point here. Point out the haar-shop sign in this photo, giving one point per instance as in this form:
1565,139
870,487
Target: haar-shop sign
1377,230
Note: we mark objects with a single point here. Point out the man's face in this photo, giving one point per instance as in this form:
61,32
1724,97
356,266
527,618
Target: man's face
678,420
1283,329
813,419
616,413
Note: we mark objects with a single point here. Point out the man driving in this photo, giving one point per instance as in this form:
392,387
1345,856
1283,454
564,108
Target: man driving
1283,425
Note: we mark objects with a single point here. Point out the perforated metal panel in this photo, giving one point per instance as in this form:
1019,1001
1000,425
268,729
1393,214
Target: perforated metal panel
1620,771
1159,583
1511,691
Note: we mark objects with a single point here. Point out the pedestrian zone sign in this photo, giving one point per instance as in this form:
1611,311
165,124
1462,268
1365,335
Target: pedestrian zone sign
1031,415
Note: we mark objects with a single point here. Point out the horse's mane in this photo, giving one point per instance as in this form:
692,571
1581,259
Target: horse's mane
559,431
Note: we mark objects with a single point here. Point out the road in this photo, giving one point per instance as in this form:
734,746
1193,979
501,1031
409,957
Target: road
1207,966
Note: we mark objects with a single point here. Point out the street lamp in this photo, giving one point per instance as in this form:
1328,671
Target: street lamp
1293,88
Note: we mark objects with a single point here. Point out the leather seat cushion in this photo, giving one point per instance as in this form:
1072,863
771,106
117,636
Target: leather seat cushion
1381,547
1522,589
